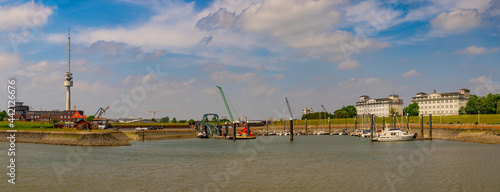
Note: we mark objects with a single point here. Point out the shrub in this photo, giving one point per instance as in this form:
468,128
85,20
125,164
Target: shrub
475,123
458,122
450,123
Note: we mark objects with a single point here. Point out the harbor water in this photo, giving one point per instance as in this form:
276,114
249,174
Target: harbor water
273,163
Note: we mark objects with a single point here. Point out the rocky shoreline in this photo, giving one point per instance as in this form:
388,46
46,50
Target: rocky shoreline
111,138
114,138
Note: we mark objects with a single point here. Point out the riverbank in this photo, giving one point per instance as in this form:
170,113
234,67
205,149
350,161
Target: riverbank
133,135
110,138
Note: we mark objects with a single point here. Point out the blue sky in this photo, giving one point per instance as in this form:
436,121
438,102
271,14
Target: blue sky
138,56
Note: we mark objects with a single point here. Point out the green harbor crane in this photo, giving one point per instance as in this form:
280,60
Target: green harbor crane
225,102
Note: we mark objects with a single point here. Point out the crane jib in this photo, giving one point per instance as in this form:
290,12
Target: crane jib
225,102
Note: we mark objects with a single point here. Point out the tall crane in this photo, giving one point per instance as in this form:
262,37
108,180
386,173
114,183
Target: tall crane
289,109
225,102
154,113
100,111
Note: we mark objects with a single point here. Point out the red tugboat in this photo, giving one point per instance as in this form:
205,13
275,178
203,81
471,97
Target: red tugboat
245,133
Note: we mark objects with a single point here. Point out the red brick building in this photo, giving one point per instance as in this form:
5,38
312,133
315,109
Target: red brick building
23,113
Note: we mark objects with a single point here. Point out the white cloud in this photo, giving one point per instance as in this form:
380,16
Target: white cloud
261,90
227,76
458,21
173,28
411,73
473,50
484,85
9,61
359,82
352,64
23,15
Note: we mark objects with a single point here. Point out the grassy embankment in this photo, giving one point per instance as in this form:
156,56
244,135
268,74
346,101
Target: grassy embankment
37,126
452,119
147,124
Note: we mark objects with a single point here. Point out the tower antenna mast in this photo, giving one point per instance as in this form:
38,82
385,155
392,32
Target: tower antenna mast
69,79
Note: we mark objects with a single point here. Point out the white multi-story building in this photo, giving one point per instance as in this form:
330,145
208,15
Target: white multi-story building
442,103
379,107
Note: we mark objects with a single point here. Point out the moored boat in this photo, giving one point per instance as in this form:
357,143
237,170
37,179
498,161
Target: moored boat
394,135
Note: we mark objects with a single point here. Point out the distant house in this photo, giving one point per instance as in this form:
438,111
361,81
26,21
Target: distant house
82,124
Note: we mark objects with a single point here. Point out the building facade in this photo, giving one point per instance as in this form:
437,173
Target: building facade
442,103
379,107
24,113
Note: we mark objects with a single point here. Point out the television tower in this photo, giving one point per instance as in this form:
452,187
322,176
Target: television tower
68,83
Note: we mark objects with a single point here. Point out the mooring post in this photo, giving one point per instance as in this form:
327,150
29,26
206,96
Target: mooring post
329,125
248,129
422,125
430,126
234,131
306,125
143,135
371,129
407,122
394,121
291,129
267,127
355,123
227,129
383,122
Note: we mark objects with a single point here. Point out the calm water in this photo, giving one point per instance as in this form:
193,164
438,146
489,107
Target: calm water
310,163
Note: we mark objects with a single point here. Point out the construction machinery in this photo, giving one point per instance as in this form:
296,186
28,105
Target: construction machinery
100,111
225,102
206,129
245,133
154,113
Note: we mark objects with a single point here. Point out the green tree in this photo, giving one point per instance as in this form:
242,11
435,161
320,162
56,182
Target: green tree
174,120
394,112
54,121
351,110
341,114
153,120
472,105
90,118
461,111
165,120
412,109
191,122
214,119
3,115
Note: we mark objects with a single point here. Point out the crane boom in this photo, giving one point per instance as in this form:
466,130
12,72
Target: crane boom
324,108
225,102
102,112
289,109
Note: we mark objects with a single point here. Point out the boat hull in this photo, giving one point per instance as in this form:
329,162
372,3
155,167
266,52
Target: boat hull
245,137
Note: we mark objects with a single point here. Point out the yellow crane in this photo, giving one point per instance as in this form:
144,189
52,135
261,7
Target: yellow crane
100,112
154,113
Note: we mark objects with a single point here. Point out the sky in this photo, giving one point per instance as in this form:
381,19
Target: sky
169,55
